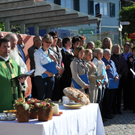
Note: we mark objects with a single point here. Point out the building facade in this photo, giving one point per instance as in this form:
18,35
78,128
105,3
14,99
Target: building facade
109,10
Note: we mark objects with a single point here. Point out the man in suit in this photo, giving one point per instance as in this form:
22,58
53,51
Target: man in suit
37,40
19,47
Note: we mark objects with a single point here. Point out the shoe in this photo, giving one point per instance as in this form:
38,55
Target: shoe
119,112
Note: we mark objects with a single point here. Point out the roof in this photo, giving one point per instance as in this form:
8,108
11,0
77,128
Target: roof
41,13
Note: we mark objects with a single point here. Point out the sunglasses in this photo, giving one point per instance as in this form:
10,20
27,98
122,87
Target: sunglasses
55,37
48,42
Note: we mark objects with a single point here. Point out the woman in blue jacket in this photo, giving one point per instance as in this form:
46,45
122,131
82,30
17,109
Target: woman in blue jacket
109,93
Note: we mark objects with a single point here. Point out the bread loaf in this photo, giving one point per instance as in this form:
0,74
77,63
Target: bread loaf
76,95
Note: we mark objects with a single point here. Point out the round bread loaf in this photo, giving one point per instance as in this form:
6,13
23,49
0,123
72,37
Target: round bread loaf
76,95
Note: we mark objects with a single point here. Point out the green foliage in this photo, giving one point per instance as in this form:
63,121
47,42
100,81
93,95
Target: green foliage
128,14
2,26
98,43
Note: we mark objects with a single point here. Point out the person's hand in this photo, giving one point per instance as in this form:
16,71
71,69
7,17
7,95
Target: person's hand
116,78
60,71
22,79
86,86
53,58
49,73
108,67
104,83
27,92
98,84
102,77
120,75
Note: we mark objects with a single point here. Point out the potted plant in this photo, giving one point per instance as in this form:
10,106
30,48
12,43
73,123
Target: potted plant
22,110
45,111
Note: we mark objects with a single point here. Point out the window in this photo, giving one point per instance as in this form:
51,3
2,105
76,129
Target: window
103,8
90,7
76,5
57,2
112,9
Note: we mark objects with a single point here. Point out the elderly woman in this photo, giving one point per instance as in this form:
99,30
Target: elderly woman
92,76
90,45
98,55
121,67
44,56
107,43
78,68
109,93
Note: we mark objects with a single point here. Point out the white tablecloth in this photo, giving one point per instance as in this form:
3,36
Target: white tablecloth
84,121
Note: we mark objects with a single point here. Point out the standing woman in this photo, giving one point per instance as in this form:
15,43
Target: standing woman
121,67
57,53
67,57
44,56
79,67
98,55
107,43
92,76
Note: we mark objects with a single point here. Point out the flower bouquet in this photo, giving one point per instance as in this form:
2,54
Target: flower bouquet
45,111
22,110
33,108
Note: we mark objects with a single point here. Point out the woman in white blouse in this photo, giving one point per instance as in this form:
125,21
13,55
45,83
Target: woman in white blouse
43,56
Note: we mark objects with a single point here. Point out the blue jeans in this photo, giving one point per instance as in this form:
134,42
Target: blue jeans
44,87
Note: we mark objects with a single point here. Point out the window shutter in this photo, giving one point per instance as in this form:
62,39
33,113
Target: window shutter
90,7
112,9
76,5
57,2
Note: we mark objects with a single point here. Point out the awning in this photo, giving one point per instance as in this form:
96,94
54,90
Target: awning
40,14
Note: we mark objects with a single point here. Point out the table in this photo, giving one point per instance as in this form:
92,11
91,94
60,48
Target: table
84,121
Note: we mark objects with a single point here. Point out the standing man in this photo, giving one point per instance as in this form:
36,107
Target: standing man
37,40
127,81
9,69
19,47
1,35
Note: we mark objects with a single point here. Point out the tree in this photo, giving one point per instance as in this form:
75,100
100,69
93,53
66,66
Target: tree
128,14
126,3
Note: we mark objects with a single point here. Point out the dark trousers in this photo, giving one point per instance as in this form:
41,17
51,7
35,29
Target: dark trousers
101,92
56,90
118,96
34,90
108,101
44,87
133,95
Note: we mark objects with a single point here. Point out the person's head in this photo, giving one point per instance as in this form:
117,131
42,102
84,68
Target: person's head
133,51
82,40
13,40
67,43
1,35
88,54
127,47
90,45
107,43
4,47
98,53
75,42
20,39
116,49
55,37
59,42
37,40
47,41
79,52
107,54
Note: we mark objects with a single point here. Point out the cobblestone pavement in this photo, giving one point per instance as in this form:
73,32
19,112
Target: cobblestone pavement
123,124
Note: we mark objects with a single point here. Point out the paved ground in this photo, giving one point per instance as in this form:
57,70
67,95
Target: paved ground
121,124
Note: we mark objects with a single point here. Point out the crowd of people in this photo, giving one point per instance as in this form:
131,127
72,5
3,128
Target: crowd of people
72,58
